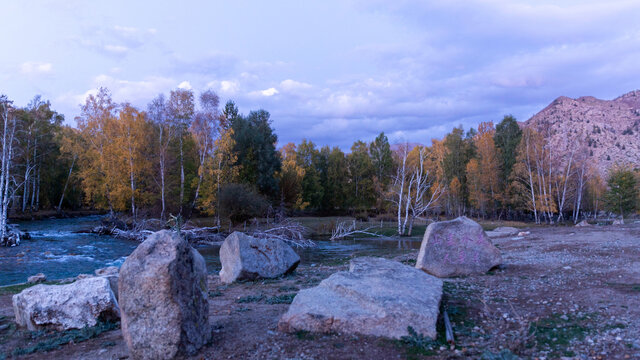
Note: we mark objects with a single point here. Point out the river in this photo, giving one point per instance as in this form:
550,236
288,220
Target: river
58,250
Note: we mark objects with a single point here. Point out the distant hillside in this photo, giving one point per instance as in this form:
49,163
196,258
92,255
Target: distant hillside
609,129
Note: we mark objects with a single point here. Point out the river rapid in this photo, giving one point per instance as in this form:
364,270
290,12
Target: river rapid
61,248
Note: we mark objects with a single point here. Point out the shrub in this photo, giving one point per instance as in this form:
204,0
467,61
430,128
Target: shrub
239,202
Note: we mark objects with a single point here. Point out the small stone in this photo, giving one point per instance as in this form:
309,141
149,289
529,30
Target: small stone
37,278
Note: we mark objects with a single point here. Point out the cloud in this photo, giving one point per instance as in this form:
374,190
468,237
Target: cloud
266,92
117,40
185,85
292,85
36,68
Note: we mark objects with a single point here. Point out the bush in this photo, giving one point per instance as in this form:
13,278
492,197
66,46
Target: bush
239,202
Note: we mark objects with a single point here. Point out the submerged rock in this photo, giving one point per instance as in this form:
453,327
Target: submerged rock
61,307
376,297
456,248
37,278
163,298
244,257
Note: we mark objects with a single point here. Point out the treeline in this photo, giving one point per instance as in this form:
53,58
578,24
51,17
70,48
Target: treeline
186,154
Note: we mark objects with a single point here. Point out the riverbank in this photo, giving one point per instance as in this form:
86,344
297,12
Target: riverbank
562,292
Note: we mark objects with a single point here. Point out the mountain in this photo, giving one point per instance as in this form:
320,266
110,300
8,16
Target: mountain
608,129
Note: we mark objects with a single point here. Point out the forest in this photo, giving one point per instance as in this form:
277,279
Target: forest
187,154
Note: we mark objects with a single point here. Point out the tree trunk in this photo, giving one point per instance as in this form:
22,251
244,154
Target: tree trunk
181,174
66,183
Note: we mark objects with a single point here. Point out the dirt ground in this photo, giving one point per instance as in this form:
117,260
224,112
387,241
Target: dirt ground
563,292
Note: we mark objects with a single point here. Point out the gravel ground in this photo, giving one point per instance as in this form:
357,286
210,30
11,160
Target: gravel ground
562,293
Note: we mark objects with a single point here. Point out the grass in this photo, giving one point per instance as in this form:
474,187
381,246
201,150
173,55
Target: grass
625,287
287,288
250,299
53,340
281,299
418,344
555,333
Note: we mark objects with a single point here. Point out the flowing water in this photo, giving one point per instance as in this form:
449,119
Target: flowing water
59,249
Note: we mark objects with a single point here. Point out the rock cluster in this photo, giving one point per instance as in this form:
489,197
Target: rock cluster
457,247
163,298
244,257
503,231
376,297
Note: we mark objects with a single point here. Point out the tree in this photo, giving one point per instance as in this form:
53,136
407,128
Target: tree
165,131
483,171
334,178
361,172
256,152
205,129
507,137
71,146
181,109
622,192
308,159
7,116
96,114
291,177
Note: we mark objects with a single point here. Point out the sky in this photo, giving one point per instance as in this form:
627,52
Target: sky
331,71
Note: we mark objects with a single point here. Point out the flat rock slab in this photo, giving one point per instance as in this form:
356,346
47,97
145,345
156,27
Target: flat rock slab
377,297
163,298
244,257
457,247
502,231
62,307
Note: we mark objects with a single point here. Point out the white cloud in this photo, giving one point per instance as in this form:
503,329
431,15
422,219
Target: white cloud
185,85
116,49
292,85
36,68
266,92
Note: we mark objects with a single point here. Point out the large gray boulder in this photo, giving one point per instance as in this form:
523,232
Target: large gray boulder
61,307
163,298
244,257
376,297
457,248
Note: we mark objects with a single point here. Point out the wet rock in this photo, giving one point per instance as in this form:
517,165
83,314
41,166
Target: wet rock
61,307
503,231
457,247
37,278
163,298
244,257
376,297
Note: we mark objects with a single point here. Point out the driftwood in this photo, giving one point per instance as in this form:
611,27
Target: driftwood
448,329
288,231
349,228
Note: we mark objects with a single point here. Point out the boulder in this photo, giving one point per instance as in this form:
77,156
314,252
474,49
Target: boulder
61,307
244,257
457,248
375,297
618,222
111,274
37,278
583,223
502,231
163,298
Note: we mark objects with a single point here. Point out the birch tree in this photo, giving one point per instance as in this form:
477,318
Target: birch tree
7,116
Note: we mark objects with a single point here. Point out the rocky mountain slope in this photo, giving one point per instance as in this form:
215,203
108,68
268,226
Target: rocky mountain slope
609,130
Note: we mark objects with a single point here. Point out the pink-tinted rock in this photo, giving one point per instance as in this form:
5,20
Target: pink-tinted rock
457,248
